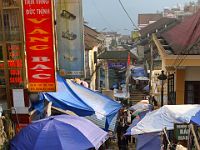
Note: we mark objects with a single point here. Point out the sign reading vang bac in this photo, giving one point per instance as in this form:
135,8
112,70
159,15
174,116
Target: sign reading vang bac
39,45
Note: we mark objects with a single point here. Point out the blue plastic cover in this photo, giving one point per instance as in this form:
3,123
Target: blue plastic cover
138,72
83,101
196,119
150,141
135,121
146,88
59,133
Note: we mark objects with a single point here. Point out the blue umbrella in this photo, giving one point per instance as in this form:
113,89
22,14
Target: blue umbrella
146,88
63,132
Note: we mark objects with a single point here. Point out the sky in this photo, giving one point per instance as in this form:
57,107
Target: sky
108,15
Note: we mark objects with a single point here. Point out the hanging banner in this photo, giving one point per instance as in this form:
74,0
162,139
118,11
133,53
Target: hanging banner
15,65
39,45
70,38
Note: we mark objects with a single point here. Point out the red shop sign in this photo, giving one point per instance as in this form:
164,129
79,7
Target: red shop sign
39,45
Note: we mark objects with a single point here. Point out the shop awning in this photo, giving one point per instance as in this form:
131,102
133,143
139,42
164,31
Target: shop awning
84,102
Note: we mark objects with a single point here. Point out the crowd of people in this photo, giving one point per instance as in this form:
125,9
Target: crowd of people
122,126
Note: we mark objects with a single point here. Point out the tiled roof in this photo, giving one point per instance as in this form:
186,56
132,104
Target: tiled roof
90,37
121,55
146,18
185,35
160,25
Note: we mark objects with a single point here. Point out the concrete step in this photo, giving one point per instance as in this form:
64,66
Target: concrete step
137,94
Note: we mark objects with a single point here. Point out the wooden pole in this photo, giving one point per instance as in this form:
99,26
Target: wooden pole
195,137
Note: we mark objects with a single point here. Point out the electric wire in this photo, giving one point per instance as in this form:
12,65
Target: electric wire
109,26
127,14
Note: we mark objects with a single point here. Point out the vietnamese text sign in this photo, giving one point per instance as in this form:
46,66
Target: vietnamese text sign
39,45
118,65
70,38
181,132
15,65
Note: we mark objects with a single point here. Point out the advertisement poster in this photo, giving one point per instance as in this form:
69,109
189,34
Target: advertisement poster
39,45
69,28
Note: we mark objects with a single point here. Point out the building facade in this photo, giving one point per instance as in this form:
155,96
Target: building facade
12,64
179,51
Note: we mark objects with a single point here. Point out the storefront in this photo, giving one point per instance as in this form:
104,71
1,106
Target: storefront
13,93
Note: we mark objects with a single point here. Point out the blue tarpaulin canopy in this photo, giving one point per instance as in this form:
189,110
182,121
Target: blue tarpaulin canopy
196,119
150,141
84,102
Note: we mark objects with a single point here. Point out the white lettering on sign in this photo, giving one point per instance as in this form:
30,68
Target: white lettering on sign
40,59
39,67
41,76
42,1
29,2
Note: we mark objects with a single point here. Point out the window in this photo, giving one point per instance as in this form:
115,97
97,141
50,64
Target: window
11,24
192,94
9,3
170,90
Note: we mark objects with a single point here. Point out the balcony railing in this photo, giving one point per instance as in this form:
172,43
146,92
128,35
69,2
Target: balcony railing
12,35
10,3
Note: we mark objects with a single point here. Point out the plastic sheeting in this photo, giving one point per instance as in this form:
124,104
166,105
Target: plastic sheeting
141,106
150,141
59,133
135,121
196,119
138,72
166,116
83,101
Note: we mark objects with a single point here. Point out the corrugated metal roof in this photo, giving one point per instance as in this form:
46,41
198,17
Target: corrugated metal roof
184,35
146,18
161,24
90,37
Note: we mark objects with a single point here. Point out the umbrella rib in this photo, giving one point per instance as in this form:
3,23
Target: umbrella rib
38,136
58,136
76,129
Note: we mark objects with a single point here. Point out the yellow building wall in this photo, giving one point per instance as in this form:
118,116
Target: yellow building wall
180,86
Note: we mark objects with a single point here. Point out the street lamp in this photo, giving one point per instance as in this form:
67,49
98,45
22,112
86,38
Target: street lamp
162,77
